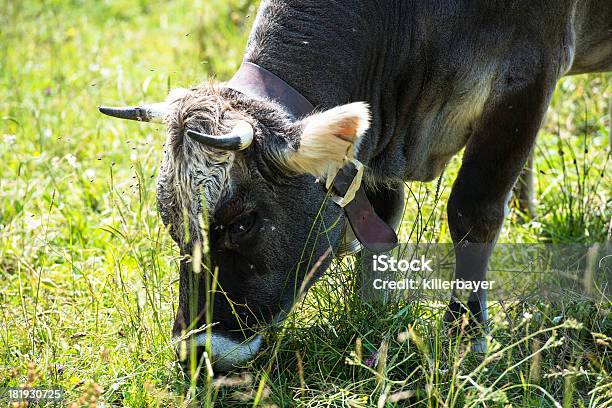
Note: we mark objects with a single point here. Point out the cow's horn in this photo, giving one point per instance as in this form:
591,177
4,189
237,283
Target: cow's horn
154,112
239,138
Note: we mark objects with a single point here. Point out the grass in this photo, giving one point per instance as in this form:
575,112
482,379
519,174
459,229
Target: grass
88,276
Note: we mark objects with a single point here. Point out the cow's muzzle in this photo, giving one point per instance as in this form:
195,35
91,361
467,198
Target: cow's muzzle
224,353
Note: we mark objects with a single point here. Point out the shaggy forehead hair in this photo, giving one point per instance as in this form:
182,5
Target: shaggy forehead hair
191,174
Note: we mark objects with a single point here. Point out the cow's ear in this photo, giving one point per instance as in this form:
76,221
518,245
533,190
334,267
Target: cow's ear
328,137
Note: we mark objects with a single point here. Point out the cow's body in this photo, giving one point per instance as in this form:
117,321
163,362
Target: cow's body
438,76
429,70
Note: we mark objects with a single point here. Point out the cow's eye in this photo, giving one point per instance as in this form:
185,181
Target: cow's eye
243,225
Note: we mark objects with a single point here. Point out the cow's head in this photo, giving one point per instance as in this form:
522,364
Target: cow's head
245,183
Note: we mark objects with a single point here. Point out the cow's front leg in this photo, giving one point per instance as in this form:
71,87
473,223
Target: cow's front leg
493,159
524,191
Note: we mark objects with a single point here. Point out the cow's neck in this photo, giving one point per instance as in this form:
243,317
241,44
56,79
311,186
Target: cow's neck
301,42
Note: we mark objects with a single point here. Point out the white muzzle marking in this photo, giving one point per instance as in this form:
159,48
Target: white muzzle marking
227,353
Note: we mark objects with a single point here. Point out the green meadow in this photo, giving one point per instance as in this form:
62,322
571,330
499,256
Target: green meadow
89,275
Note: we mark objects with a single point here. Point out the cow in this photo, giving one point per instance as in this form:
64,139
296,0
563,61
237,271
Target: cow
387,90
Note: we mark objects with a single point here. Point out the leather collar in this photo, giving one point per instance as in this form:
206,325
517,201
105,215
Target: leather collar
371,231
255,81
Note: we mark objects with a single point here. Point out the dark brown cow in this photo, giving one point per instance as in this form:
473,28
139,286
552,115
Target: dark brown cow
426,79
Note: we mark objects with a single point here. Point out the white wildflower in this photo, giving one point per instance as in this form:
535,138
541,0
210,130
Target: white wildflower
9,139
32,221
71,159
89,174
